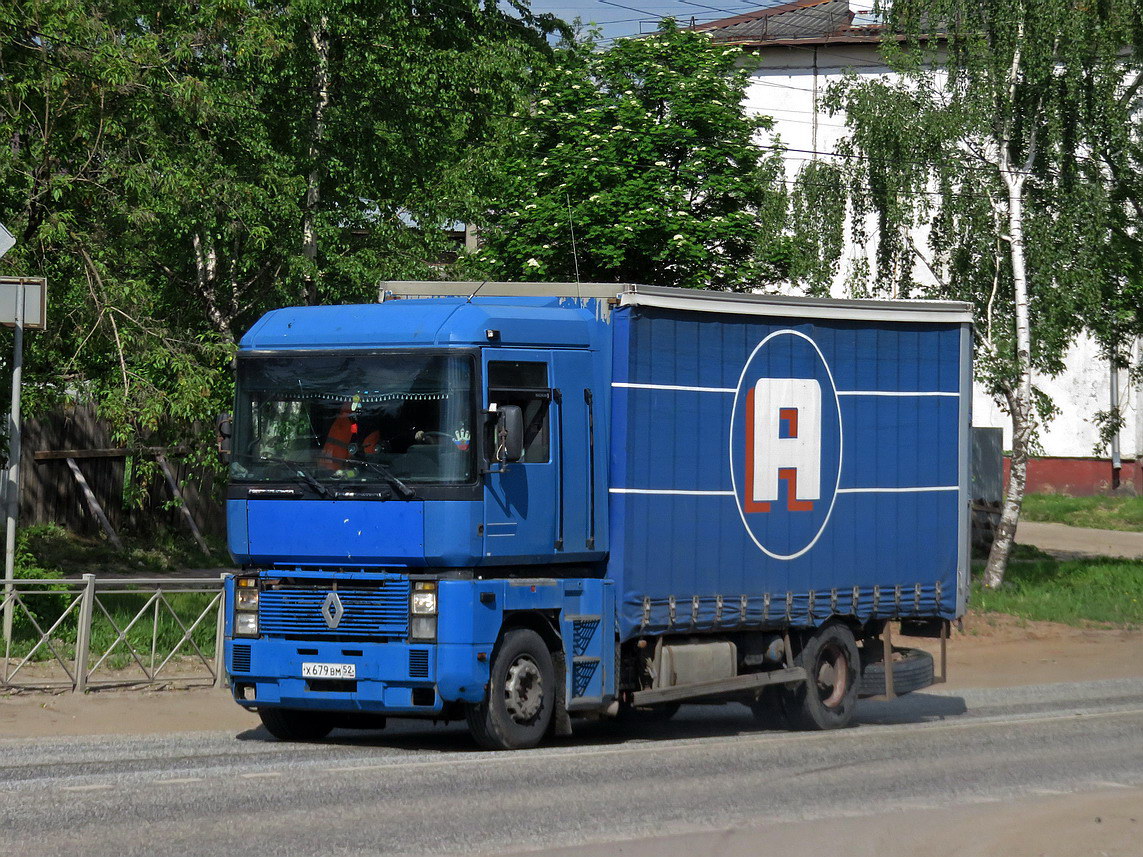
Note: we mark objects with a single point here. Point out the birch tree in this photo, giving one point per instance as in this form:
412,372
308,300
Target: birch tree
975,175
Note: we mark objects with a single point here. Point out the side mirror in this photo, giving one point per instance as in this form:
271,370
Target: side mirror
224,427
509,434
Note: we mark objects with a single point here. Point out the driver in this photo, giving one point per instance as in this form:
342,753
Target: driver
344,440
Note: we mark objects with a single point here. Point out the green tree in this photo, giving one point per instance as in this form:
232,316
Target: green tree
177,169
638,164
1117,320
976,167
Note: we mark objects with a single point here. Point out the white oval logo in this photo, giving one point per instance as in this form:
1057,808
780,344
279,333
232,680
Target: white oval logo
785,444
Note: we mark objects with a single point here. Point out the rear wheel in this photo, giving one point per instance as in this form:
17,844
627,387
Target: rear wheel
288,724
517,711
827,698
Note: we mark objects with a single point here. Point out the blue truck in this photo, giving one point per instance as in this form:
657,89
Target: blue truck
517,504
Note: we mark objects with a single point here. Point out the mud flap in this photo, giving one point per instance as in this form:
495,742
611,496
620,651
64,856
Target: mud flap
561,720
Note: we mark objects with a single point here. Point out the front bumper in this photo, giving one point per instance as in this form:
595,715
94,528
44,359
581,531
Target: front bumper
396,678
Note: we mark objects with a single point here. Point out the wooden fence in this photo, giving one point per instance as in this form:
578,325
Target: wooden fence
50,492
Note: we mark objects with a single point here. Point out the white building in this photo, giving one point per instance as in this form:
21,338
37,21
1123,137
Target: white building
800,49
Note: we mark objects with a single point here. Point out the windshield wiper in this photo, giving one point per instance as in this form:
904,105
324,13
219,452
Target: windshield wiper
303,477
404,490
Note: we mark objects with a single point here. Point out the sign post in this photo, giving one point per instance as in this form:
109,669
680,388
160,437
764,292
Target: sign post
22,304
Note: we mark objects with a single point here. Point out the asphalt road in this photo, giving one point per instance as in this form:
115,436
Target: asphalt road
419,789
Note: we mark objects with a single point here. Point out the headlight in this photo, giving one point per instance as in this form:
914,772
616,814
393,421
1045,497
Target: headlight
423,628
246,599
424,603
245,624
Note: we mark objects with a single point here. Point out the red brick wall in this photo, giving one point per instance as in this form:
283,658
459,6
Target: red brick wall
1078,477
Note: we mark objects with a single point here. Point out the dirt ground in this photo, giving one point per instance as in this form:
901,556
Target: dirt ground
993,651
1066,542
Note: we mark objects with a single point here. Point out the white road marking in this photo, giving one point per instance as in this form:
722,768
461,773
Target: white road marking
259,774
178,781
90,788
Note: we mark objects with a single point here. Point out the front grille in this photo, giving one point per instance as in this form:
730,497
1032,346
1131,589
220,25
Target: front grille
378,612
241,660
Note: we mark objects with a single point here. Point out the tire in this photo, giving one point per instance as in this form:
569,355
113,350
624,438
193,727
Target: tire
517,710
289,724
913,672
827,698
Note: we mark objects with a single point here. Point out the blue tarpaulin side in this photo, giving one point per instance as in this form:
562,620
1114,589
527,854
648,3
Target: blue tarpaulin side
865,444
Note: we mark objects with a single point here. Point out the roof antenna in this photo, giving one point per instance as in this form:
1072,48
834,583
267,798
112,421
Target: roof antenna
474,291
571,226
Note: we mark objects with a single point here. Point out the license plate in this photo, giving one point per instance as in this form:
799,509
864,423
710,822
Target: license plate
329,670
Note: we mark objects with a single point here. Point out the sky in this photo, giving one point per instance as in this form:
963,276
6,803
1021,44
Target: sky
618,18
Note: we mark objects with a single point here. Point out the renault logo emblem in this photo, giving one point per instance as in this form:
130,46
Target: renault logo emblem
331,610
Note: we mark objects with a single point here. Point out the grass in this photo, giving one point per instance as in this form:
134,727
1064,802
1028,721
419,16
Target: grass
1082,592
1105,513
158,628
51,547
48,552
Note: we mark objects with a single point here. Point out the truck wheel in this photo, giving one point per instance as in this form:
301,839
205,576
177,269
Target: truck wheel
288,724
517,710
828,697
913,672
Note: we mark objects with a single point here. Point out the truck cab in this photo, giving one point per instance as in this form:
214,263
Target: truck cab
411,483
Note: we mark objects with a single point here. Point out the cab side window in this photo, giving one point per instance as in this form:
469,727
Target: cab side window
524,384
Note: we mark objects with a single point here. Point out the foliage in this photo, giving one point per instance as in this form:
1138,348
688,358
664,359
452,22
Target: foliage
983,173
926,168
638,164
44,605
176,169
49,552
1117,512
817,225
1076,592
52,549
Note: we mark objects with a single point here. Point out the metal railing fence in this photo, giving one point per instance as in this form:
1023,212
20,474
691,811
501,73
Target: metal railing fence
88,633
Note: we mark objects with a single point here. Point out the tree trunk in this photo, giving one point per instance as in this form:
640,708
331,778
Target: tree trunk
206,275
1003,540
319,36
1020,405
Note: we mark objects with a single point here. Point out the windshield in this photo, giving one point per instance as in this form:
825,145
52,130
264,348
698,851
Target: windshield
361,418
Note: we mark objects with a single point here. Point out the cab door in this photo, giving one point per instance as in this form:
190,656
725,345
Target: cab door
521,500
